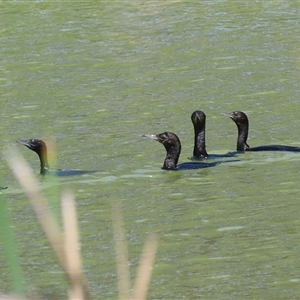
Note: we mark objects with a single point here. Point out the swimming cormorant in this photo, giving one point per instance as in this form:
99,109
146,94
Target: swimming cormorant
172,145
242,123
40,148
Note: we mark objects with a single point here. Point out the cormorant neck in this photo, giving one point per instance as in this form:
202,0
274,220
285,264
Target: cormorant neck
44,161
199,144
173,153
242,137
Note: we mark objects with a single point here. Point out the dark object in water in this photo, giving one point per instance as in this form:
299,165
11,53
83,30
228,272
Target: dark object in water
40,148
172,145
242,123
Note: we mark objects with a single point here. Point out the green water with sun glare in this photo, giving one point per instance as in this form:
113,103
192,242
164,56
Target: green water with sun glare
96,76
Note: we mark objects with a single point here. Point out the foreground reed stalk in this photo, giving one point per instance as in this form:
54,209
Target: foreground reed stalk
72,247
146,263
58,240
65,243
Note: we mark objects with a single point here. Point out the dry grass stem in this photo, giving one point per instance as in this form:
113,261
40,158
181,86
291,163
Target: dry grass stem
31,187
72,247
11,298
63,245
66,244
121,254
143,276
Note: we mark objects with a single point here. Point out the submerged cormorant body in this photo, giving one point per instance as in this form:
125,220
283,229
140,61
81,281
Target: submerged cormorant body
198,118
172,145
242,123
40,148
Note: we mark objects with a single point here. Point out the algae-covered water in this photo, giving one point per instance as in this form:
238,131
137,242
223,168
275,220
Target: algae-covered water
98,75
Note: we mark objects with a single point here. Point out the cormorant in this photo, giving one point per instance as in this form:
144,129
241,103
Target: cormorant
40,148
172,145
242,123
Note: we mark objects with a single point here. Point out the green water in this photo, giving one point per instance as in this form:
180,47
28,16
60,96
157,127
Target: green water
98,75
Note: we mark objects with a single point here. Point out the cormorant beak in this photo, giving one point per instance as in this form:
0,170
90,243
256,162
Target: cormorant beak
227,115
151,136
25,143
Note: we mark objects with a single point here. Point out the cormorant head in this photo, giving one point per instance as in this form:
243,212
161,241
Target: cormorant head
198,118
35,145
168,139
238,117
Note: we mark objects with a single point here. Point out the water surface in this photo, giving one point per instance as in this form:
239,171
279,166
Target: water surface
98,75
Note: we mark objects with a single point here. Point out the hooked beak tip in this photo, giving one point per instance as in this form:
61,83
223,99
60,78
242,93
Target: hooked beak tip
150,136
226,115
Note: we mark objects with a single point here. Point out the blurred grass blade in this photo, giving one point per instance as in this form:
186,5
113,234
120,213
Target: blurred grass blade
12,297
66,244
47,220
143,276
30,185
121,253
53,194
72,247
10,249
